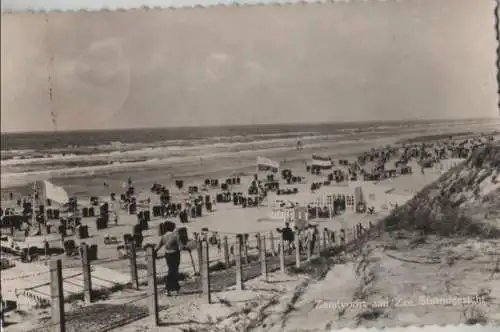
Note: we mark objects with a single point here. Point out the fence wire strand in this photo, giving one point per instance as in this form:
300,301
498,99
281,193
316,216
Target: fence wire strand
251,263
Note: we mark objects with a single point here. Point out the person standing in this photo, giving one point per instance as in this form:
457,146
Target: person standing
115,211
288,236
310,238
171,241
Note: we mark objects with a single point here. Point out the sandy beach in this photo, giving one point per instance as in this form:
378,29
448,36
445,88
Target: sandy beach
83,170
228,220
243,166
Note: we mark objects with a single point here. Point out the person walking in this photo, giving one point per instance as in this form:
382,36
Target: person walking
172,243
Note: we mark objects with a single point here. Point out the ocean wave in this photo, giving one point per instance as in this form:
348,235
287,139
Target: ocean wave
22,178
143,152
47,150
162,151
118,145
20,167
29,159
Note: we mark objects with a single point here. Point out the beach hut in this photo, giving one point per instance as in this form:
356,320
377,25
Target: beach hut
301,216
390,173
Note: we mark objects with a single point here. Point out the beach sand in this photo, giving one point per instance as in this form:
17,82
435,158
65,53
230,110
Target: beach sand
228,220
388,283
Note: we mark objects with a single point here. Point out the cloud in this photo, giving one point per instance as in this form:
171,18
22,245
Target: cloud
273,64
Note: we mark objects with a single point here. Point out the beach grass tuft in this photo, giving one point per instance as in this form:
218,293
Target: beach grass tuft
445,207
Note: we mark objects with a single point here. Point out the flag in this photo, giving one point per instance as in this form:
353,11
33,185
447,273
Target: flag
55,193
265,164
321,162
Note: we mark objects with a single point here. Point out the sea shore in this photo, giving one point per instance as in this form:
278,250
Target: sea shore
228,219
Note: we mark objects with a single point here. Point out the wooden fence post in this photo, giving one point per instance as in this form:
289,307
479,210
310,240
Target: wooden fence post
62,239
258,238
134,277
152,292
199,252
226,252
263,257
87,278
204,271
297,249
245,248
309,250
237,258
271,239
317,243
369,226
282,255
57,296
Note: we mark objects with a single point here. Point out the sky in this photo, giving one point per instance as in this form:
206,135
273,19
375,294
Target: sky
359,61
47,5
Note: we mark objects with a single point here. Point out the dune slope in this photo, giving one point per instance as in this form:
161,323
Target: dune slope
436,262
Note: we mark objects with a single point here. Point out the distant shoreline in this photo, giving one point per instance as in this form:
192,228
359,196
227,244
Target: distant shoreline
239,126
83,173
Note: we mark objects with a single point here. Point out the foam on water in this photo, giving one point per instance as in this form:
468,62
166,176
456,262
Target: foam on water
151,151
101,156
14,179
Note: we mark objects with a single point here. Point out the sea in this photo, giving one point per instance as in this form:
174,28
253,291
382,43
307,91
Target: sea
95,162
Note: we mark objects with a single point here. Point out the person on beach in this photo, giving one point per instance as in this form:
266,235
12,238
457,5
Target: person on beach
115,211
288,236
173,246
309,238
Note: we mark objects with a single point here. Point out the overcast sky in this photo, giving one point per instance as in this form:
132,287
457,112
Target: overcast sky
264,64
47,5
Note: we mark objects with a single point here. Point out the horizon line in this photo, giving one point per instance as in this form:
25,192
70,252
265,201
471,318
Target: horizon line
2,133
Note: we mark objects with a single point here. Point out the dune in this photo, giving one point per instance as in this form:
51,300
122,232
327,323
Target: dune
430,261
437,261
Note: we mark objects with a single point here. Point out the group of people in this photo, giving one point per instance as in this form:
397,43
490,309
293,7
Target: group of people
173,245
307,236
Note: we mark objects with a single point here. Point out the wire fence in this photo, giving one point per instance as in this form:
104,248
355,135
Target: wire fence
111,303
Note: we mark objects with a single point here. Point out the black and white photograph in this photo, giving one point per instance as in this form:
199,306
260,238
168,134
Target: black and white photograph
240,166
